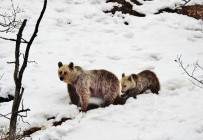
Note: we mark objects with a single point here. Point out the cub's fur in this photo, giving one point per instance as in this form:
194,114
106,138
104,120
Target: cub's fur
91,83
135,84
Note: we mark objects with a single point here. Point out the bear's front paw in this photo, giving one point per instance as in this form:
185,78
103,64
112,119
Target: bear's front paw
82,110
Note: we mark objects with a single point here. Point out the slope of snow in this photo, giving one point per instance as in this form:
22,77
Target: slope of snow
78,31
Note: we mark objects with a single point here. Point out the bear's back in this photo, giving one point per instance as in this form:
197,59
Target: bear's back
99,82
103,75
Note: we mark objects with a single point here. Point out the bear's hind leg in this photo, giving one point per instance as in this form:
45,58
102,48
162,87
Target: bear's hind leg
92,106
155,91
108,99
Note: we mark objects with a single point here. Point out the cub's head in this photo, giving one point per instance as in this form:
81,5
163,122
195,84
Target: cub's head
66,73
128,82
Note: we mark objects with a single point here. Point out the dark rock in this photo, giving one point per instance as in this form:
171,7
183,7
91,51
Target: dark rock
9,98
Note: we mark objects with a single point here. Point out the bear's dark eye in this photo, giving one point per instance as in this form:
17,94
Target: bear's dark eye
65,73
124,86
60,73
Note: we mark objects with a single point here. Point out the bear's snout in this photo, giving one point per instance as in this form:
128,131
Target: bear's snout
61,78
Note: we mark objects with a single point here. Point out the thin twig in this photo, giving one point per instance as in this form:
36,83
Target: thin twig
11,62
1,76
195,84
23,110
18,112
199,66
11,39
32,62
24,40
186,2
194,69
185,70
10,21
5,116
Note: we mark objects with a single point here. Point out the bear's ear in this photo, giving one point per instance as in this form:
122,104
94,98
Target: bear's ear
130,78
60,64
71,65
123,75
134,76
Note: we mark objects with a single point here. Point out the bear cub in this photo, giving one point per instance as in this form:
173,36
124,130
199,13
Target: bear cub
135,84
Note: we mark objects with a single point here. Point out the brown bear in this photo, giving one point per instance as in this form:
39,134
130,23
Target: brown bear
135,84
91,83
74,97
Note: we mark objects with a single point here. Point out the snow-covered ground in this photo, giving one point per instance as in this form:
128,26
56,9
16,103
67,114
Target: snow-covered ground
78,31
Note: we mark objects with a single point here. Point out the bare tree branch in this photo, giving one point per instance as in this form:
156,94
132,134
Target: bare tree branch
195,84
10,21
186,2
5,116
31,40
10,39
32,62
1,76
11,62
194,69
21,111
0,83
191,75
18,112
199,66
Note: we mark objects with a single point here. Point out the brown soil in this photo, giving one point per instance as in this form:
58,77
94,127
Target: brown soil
195,11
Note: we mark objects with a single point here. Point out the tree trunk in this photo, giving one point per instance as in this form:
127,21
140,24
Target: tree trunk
14,115
18,91
18,73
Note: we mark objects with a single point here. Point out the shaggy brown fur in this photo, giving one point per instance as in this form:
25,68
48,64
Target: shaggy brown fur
91,83
72,91
75,99
133,84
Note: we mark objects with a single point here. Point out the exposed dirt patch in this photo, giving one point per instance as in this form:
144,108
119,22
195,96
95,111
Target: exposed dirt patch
126,8
27,133
56,123
195,11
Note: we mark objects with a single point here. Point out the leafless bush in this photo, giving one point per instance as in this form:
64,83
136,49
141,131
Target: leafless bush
9,20
197,81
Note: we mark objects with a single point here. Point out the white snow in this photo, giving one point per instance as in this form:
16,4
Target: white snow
78,31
